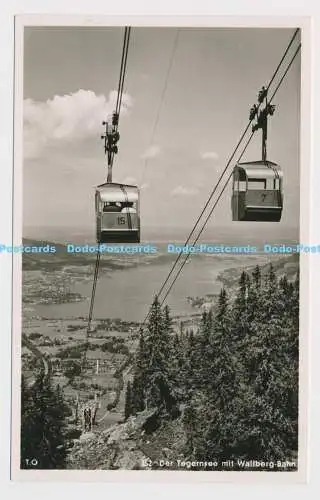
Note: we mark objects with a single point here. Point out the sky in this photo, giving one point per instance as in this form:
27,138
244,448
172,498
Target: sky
187,96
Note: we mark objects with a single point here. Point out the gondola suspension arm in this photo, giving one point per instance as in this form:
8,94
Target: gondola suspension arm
111,135
262,118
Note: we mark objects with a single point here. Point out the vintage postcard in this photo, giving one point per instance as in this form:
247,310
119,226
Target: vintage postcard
161,249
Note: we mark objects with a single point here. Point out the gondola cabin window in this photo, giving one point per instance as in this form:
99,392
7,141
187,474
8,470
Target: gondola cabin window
257,192
117,213
259,184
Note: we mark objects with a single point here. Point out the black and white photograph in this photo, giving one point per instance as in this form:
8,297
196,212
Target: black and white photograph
160,251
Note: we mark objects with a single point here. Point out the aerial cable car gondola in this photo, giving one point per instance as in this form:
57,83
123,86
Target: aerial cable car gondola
117,205
257,185
116,224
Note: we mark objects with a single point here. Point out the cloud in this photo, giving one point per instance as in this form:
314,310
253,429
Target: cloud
151,152
145,76
209,155
184,191
72,117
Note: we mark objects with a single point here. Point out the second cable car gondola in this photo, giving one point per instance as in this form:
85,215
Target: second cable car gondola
257,192
117,213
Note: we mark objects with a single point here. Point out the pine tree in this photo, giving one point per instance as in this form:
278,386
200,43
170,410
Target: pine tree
253,305
167,321
202,361
222,306
270,294
295,301
160,380
140,375
137,396
285,300
190,362
27,423
43,425
268,422
217,431
239,310
194,400
223,354
178,363
238,383
270,409
128,397
190,426
256,277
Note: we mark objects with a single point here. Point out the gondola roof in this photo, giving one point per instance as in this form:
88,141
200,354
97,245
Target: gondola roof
117,192
258,170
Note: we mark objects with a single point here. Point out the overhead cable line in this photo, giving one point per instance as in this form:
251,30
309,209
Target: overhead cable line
123,67
93,295
204,224
226,183
285,73
224,171
164,90
227,165
115,123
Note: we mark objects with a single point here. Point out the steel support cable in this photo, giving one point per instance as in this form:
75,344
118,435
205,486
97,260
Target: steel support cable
227,165
167,79
124,72
224,171
214,190
93,294
199,234
94,286
205,223
285,73
227,181
283,57
123,68
164,90
118,109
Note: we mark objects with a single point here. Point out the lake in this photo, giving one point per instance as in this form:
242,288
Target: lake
127,293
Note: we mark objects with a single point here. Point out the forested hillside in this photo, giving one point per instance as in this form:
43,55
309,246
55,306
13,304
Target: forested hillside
234,386
228,392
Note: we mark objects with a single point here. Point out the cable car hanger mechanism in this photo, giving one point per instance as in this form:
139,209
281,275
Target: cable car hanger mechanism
262,118
111,135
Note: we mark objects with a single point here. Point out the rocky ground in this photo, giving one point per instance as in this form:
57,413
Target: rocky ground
118,447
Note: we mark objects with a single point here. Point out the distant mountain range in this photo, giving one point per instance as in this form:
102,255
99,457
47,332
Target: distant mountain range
237,233
52,261
287,265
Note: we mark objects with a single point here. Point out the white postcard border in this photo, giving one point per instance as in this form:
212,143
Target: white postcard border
176,476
